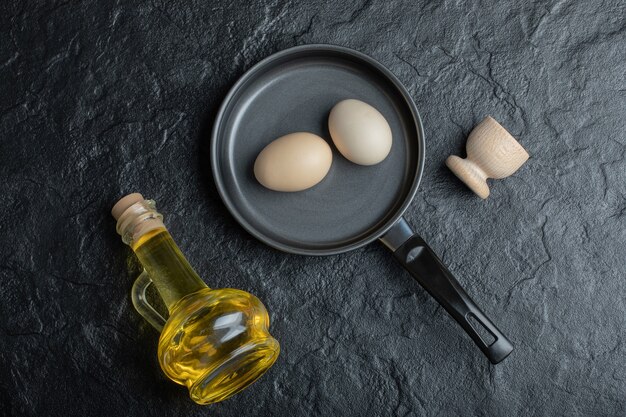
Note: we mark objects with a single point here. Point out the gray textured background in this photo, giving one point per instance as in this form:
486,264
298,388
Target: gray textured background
99,99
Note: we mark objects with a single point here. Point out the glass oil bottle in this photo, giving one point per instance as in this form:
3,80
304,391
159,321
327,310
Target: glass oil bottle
216,341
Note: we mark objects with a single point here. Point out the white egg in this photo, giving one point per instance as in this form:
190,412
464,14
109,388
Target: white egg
293,162
360,132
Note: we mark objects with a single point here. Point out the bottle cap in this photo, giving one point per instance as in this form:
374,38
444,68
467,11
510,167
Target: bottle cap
135,217
125,202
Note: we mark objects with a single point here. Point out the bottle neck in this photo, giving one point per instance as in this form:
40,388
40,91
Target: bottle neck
168,268
141,227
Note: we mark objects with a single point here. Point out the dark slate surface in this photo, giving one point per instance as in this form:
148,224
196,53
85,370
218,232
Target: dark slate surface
99,99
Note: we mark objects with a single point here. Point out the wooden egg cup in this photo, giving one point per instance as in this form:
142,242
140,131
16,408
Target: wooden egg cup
491,153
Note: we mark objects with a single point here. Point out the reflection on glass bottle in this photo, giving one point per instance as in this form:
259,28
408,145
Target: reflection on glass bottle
215,342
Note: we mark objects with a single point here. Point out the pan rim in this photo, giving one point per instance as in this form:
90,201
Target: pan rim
218,125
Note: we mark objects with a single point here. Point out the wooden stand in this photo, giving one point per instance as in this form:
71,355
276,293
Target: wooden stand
491,153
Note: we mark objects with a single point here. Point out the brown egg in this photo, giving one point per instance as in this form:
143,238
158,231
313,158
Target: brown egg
293,162
360,132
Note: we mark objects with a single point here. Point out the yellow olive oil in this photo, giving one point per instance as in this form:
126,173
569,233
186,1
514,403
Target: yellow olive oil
215,342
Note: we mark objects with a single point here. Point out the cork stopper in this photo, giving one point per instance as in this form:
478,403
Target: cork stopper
135,217
124,203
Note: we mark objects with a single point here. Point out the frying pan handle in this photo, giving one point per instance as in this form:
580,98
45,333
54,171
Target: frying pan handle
422,263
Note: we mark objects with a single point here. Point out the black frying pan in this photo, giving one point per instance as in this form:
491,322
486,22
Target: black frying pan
294,90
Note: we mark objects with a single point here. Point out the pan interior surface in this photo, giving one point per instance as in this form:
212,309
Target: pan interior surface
295,92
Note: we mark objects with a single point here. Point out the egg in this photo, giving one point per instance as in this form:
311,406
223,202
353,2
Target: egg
360,132
293,162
